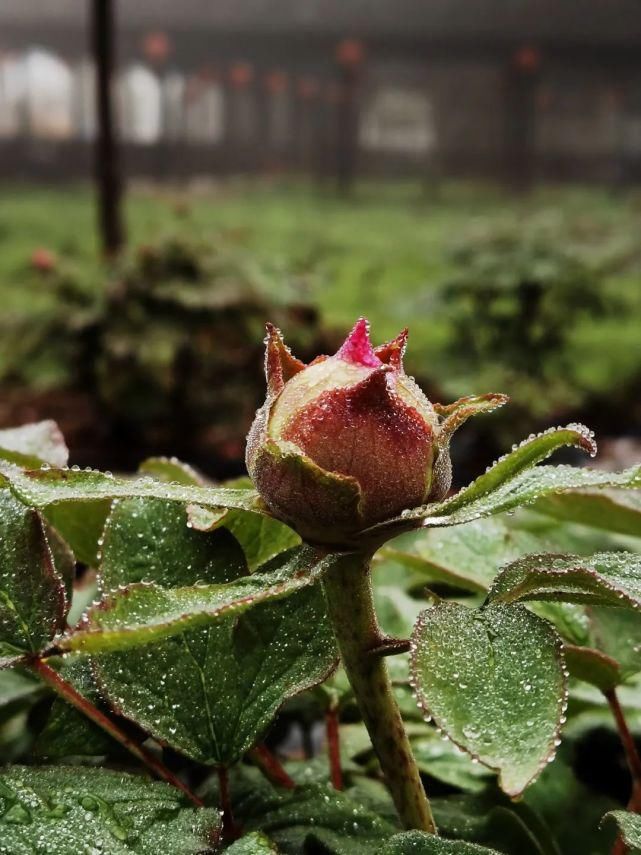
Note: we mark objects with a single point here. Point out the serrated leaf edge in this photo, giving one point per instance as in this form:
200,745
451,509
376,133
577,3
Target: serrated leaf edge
429,716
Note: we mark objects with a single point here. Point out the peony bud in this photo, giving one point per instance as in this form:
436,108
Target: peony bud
349,440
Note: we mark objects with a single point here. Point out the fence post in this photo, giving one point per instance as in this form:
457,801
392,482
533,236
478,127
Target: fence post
107,161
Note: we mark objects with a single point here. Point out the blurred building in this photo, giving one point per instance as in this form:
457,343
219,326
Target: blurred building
508,88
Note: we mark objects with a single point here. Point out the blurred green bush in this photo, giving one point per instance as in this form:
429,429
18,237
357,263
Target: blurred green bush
171,353
518,303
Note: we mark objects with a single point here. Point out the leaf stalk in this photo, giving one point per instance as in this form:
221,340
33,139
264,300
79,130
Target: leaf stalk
334,745
351,608
66,691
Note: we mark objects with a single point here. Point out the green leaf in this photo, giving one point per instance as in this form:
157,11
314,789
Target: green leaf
225,682
569,620
605,579
611,511
148,540
43,488
442,760
212,694
460,411
170,470
63,810
522,458
17,685
523,488
492,820
261,537
80,525
629,825
143,613
493,681
570,807
420,843
466,557
531,485
32,593
396,611
314,816
252,844
617,633
34,444
592,666
63,559
67,732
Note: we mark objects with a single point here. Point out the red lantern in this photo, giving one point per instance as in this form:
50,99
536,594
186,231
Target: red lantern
350,53
156,46
527,59
276,82
241,75
307,88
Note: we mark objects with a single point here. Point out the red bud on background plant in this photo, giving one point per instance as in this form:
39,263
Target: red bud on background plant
43,260
350,440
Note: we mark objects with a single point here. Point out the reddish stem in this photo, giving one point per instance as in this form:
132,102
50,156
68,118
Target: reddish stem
619,847
627,740
73,697
334,747
633,759
231,831
271,767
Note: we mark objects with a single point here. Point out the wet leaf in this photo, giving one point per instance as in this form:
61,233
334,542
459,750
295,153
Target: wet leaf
493,681
32,593
170,470
569,620
317,816
496,496
522,458
570,807
592,666
527,454
63,560
396,611
17,685
466,557
34,444
420,843
80,525
617,633
143,613
629,825
67,732
261,537
612,511
442,760
213,693
42,488
492,820
604,579
59,810
148,540
252,844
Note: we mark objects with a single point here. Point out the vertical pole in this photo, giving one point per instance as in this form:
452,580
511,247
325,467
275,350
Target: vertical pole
107,164
520,105
350,54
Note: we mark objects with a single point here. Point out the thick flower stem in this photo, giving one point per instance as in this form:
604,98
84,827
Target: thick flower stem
351,608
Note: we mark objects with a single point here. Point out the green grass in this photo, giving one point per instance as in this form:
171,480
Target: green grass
382,254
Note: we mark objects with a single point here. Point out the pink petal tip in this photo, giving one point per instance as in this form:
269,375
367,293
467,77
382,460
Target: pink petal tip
357,348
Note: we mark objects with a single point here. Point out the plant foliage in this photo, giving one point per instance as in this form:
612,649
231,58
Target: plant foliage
205,646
